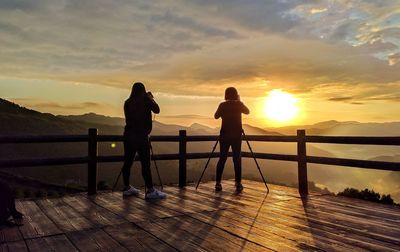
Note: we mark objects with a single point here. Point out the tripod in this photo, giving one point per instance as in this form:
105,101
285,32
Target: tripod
252,153
155,164
255,160
208,161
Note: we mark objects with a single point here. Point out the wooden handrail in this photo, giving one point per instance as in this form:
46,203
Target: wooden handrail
359,140
366,164
92,139
44,139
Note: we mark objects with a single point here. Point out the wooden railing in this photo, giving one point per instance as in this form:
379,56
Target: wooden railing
302,159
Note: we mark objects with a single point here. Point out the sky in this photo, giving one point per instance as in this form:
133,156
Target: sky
339,59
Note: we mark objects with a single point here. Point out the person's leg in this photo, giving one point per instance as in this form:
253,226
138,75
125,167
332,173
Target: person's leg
7,200
224,148
129,156
144,154
237,159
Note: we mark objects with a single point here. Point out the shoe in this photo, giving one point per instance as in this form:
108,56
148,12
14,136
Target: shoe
131,191
155,194
239,187
218,187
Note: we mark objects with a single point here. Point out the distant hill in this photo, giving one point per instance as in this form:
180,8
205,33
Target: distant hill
347,128
162,128
17,120
95,118
251,130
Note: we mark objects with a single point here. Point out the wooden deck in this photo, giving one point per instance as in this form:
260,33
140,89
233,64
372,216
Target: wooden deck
190,220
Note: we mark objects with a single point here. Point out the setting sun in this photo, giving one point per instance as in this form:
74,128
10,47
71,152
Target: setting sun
280,106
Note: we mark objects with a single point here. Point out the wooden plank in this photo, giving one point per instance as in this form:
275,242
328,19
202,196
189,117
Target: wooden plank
97,215
135,239
289,211
384,224
8,234
59,243
36,223
123,209
94,240
207,236
371,207
270,240
13,246
174,237
65,217
346,211
326,215
202,199
147,206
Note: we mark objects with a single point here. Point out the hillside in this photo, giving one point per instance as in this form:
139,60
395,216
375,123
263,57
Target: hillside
17,120
347,128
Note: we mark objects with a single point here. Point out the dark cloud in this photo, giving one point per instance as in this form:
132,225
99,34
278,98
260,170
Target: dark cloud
191,24
341,99
258,15
386,97
72,106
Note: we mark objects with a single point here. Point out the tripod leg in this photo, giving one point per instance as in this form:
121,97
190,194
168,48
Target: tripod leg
208,161
155,164
119,175
116,181
255,160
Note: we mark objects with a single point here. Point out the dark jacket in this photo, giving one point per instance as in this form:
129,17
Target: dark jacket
138,114
231,113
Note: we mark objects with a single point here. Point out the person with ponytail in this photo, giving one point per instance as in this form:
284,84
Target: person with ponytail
138,108
230,135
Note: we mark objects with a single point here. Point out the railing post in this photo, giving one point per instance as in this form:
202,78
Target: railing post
92,162
182,158
302,162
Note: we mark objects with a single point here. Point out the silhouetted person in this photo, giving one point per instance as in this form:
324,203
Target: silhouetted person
231,135
7,205
138,108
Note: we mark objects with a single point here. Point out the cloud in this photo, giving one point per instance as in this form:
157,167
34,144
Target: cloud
340,99
200,47
386,97
394,58
52,106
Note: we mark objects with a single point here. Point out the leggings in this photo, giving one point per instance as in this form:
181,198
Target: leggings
236,144
7,203
141,145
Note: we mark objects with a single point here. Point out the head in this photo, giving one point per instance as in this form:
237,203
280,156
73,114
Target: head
138,89
231,94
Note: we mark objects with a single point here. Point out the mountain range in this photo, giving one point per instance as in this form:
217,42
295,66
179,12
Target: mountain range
17,120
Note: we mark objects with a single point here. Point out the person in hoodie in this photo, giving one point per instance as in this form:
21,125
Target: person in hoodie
230,135
138,108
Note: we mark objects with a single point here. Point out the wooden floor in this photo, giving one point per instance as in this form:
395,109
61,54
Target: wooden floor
190,220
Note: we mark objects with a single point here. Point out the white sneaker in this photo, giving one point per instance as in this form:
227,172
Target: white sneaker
131,191
155,194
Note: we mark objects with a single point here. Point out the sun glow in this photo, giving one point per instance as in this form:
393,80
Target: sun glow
280,106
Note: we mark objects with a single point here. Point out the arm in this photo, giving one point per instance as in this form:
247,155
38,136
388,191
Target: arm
125,109
153,104
218,113
245,110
